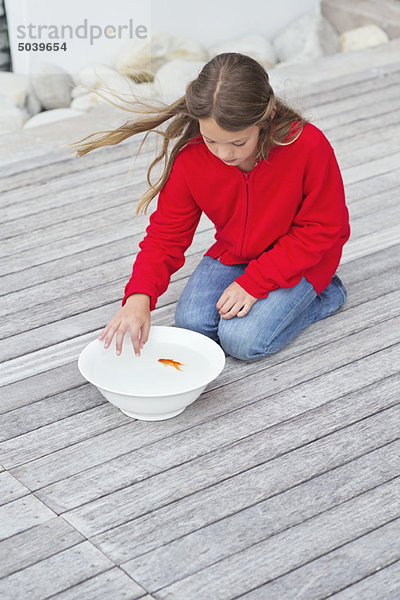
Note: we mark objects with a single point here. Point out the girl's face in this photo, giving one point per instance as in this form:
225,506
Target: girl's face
236,148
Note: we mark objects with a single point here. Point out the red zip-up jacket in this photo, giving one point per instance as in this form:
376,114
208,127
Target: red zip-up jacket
287,218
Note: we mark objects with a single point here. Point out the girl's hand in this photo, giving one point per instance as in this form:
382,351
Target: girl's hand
135,316
235,302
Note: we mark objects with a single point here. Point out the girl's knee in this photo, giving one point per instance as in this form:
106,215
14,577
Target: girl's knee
188,317
238,341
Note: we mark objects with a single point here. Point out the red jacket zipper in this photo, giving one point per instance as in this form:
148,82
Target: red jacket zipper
246,176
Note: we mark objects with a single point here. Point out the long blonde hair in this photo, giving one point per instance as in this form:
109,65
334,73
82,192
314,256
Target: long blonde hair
231,88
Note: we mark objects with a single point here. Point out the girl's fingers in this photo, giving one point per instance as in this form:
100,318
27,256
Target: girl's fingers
145,329
119,339
243,311
109,335
227,307
104,332
135,341
232,312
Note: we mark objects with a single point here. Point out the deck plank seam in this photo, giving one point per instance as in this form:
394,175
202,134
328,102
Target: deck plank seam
210,419
341,545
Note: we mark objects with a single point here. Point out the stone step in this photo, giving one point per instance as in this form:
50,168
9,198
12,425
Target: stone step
301,78
345,14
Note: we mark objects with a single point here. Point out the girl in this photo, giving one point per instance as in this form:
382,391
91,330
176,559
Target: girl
269,181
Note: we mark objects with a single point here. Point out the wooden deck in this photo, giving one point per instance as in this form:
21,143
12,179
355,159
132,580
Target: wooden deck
279,483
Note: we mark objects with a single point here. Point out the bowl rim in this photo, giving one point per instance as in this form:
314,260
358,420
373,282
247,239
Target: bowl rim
222,361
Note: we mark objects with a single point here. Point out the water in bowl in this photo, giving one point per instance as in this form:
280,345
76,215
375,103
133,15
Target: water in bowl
144,375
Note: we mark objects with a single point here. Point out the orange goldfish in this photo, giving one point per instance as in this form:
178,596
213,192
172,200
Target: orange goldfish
168,362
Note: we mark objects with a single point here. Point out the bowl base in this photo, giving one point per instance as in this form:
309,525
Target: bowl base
149,417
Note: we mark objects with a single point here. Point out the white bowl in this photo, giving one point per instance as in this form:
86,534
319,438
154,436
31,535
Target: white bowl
145,388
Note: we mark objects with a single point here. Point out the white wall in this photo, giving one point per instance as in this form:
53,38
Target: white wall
213,21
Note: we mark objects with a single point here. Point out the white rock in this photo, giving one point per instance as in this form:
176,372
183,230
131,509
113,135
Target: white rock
103,78
97,75
174,76
255,46
308,38
78,90
363,37
143,91
186,48
32,104
50,116
11,120
110,86
85,102
51,84
149,55
14,87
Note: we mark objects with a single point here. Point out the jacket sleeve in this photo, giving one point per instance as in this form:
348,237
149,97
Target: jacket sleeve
168,235
319,224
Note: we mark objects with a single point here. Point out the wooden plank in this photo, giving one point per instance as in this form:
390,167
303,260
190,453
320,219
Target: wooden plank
11,488
351,108
370,266
196,552
135,512
359,190
35,544
197,519
353,86
56,320
384,584
258,564
371,169
113,584
78,226
42,205
154,448
116,187
346,82
122,250
46,154
376,276
356,560
349,321
49,410
172,294
366,217
77,190
369,244
16,348
81,398
363,149
70,430
22,514
48,383
67,189
99,275
76,244
67,568
74,165
338,134
108,194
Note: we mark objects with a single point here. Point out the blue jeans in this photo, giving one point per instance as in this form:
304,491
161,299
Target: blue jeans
270,324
